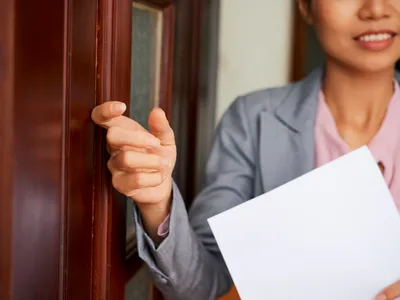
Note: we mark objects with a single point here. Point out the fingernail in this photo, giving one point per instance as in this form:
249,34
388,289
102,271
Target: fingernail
153,142
118,107
381,297
165,162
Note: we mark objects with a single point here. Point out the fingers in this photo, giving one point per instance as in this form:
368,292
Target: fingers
105,112
160,128
122,139
133,161
128,183
390,293
109,114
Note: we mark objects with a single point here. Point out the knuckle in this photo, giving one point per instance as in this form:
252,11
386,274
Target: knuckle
157,162
116,184
133,195
120,186
139,180
111,133
125,160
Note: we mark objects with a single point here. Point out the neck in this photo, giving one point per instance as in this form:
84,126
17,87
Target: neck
355,97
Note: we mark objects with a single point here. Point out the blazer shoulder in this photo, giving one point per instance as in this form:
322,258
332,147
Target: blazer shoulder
269,99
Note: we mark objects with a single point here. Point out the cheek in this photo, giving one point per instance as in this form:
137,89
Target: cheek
334,38
334,23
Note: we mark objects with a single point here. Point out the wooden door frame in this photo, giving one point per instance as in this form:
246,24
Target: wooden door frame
64,57
7,14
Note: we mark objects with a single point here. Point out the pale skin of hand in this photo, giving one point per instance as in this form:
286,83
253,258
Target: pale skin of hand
141,162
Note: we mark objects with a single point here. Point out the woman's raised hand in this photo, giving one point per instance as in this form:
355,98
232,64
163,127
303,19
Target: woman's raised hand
141,162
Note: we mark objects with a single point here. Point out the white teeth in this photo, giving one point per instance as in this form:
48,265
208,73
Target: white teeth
375,37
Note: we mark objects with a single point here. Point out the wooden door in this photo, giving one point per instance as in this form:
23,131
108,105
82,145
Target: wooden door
63,228
47,91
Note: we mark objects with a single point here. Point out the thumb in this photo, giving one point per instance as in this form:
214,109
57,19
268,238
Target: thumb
159,127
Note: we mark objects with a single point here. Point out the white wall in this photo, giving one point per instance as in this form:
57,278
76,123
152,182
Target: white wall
254,47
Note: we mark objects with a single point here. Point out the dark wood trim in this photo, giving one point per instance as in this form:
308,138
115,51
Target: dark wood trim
7,14
121,91
196,14
299,46
80,98
101,187
114,19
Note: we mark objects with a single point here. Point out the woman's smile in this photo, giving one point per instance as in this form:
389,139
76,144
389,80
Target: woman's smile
376,40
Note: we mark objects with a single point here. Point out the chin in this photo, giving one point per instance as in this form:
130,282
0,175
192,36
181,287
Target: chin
361,62
371,65
375,67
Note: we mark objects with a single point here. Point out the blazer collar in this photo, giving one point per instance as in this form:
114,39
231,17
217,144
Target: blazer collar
298,109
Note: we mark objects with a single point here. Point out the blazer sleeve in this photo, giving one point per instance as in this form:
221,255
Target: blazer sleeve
188,263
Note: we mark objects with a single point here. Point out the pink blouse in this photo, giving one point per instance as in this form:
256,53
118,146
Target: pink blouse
384,146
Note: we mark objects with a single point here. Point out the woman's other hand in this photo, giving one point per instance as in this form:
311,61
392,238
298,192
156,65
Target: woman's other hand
392,292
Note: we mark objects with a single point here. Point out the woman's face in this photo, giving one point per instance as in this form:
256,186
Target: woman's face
360,34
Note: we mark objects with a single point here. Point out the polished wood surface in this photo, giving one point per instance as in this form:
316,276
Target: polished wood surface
47,91
80,98
38,149
113,83
6,141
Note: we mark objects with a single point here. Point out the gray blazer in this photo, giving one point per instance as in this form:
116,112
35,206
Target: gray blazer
264,140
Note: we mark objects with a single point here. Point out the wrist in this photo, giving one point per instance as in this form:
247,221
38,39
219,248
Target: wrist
154,214
160,209
161,205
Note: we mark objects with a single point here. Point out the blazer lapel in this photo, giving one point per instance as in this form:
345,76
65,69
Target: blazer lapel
287,134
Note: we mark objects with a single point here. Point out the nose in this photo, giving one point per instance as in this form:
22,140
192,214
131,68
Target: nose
375,10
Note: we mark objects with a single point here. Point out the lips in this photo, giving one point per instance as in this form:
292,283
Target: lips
376,40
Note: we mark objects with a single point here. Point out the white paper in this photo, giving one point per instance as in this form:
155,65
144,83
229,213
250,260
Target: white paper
332,234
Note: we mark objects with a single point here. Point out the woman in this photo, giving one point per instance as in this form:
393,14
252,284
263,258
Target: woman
265,139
